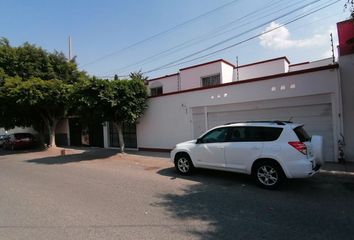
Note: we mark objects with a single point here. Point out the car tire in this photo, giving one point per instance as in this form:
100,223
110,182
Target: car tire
268,174
184,164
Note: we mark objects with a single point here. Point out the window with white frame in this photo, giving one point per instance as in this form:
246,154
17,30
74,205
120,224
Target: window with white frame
156,91
210,80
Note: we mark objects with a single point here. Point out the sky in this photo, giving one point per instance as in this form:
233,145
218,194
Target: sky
159,37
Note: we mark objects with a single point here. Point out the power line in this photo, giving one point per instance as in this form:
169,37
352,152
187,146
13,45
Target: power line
192,41
232,37
240,42
207,36
296,28
160,33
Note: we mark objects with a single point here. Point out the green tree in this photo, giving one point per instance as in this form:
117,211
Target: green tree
35,87
46,100
118,101
349,5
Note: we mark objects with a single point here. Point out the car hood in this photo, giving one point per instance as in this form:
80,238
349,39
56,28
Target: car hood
189,143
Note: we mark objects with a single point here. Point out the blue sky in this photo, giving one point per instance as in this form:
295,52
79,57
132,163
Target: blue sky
99,29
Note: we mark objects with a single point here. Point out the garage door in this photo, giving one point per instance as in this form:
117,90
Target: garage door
316,118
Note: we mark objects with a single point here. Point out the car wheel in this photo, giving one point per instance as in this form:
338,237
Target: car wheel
184,164
268,174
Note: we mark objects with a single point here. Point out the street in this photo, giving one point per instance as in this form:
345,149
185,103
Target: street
99,194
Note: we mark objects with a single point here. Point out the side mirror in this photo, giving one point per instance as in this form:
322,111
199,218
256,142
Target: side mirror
199,140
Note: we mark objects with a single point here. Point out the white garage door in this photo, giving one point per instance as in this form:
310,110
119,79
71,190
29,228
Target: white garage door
316,118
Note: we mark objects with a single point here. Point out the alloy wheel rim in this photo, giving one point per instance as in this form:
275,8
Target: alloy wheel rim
183,165
267,175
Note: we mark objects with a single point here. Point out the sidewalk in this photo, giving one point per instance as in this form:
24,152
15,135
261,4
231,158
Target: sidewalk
346,168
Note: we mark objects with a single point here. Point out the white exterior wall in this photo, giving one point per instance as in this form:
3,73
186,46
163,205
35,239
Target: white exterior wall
262,69
18,130
191,77
168,120
227,72
346,64
323,62
169,84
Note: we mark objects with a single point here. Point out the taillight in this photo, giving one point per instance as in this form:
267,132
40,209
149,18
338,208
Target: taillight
301,147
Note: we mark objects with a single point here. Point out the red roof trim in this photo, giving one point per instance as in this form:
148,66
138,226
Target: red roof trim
297,64
207,63
159,78
255,79
265,61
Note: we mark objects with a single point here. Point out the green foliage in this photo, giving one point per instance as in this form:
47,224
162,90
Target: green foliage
35,86
29,61
349,5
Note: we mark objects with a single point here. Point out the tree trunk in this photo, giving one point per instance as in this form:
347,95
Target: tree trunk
120,137
51,130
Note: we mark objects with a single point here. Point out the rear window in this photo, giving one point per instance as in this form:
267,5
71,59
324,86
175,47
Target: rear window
302,134
23,135
254,134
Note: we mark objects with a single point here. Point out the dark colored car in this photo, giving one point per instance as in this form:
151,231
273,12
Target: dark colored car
19,141
2,139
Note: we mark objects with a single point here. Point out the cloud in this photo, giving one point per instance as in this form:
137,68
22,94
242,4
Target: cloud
281,39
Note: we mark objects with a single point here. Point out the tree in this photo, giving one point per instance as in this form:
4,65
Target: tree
127,102
46,100
35,86
118,101
350,6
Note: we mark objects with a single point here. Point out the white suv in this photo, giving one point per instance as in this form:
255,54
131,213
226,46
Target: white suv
269,150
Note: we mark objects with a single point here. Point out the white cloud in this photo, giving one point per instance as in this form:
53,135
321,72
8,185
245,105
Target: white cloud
281,39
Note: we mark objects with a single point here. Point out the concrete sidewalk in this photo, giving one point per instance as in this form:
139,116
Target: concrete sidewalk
345,168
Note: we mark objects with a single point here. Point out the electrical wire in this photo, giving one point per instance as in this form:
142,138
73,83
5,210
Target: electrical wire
177,62
160,33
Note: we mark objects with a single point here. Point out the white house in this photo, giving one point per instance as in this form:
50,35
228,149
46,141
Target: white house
185,104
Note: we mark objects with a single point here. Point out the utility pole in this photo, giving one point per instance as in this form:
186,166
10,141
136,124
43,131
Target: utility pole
333,58
70,50
238,77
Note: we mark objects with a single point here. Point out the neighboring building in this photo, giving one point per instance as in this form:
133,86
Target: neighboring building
185,104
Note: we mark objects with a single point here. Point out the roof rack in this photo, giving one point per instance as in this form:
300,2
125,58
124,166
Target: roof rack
278,122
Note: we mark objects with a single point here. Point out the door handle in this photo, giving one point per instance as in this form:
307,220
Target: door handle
255,148
220,147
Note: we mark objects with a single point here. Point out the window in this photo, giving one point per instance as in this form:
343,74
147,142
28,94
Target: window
156,91
211,80
216,135
302,134
254,134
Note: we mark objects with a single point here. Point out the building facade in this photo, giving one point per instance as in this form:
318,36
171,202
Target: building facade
185,104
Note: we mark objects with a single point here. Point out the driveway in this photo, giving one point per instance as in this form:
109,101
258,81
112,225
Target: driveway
99,194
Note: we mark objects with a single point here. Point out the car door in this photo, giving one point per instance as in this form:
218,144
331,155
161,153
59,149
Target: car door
243,147
209,150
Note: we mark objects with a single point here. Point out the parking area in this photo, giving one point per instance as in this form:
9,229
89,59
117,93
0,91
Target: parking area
100,194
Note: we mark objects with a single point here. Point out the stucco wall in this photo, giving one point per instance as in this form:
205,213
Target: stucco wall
167,121
268,68
191,77
169,84
346,64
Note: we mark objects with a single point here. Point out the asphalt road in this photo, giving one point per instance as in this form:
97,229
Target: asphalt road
99,195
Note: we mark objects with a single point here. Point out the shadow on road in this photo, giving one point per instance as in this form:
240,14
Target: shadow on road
87,155
234,208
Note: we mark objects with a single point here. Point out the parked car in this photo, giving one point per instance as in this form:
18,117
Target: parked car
19,141
270,151
2,139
